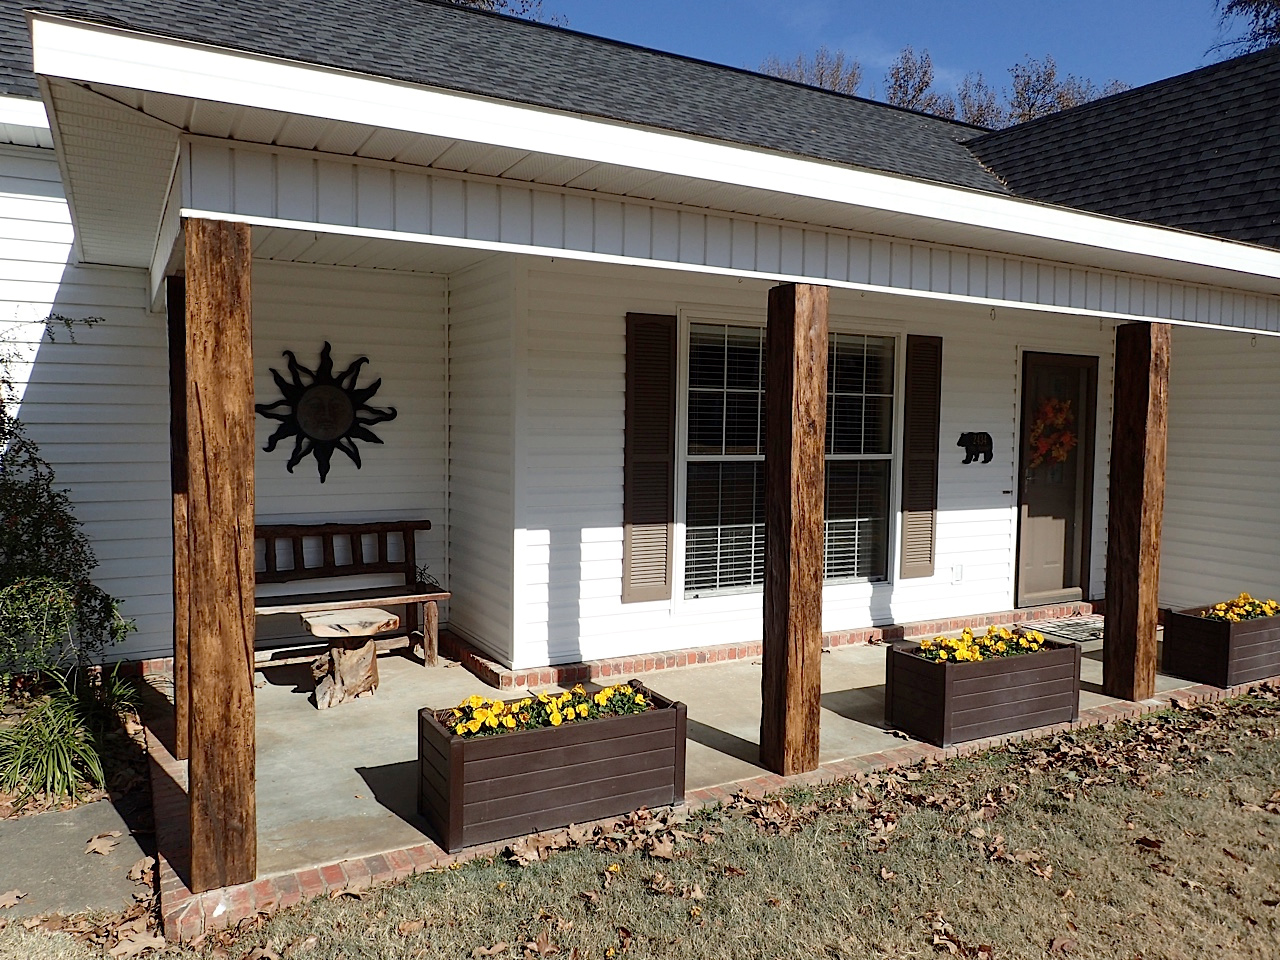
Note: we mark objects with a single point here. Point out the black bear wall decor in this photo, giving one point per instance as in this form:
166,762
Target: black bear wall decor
976,445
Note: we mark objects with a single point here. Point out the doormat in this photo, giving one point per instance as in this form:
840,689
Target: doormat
1079,629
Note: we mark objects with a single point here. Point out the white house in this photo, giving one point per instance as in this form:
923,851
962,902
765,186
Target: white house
530,232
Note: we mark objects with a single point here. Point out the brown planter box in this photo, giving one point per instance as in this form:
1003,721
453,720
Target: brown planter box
1217,652
491,788
946,703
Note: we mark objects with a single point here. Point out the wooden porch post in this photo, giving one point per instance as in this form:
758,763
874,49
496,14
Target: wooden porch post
176,306
795,434
219,358
1139,436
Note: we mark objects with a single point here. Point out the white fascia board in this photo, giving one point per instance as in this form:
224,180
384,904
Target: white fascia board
23,112
93,53
521,249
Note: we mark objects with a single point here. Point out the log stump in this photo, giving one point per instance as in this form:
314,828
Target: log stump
350,668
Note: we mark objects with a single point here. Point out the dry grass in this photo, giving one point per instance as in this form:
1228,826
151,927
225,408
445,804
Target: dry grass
1155,840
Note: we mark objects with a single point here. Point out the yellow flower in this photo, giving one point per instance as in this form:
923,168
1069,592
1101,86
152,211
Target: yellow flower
474,701
509,722
579,689
942,654
474,725
556,718
491,720
482,714
640,699
497,706
460,729
583,709
601,698
543,698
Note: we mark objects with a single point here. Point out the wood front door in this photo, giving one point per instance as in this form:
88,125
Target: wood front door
1055,491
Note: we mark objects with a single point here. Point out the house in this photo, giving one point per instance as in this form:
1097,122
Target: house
560,255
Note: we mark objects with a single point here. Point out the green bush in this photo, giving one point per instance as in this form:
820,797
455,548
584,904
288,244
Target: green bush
51,613
50,750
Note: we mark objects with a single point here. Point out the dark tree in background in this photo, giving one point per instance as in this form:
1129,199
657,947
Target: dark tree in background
1036,88
528,9
1261,21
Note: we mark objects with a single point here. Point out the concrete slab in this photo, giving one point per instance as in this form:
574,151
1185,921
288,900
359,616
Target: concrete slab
44,858
342,783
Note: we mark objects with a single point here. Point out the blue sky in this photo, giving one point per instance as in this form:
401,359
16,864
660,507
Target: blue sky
1136,41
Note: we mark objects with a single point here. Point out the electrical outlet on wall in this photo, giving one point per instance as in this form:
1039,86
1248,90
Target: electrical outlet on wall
957,573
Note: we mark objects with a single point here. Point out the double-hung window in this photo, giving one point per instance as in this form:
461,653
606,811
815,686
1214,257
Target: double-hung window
724,458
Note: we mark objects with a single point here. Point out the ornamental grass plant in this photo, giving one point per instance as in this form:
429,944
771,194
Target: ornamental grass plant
997,642
1243,607
480,717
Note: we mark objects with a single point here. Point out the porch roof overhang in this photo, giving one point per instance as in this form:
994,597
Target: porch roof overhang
122,104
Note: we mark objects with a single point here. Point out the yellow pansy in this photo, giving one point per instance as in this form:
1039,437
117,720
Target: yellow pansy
555,718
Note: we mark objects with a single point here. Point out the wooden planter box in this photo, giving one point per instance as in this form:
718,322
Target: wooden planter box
491,788
946,703
1217,652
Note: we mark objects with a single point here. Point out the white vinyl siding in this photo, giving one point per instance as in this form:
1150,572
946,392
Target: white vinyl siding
99,407
375,198
572,471
1222,500
481,454
397,320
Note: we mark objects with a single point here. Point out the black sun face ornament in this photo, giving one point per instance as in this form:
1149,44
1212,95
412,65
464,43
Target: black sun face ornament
323,413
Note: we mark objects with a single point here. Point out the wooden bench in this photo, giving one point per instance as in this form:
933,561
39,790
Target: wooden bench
363,548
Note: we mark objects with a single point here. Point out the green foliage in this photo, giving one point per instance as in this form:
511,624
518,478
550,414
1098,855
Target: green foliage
50,750
50,610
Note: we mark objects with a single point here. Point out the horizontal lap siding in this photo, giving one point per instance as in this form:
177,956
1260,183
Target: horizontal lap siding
398,322
481,457
572,468
1222,513
97,407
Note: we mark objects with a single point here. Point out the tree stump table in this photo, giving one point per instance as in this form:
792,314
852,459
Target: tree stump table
350,668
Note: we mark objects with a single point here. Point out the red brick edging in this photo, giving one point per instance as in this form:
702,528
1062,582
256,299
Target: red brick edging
505,678
186,916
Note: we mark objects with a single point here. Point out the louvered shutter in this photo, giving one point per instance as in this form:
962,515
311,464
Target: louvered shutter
920,455
649,454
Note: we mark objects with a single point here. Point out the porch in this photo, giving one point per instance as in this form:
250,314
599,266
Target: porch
336,792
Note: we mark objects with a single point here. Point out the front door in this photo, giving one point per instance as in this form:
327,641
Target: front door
1055,501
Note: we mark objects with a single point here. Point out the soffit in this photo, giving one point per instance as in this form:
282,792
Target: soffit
338,250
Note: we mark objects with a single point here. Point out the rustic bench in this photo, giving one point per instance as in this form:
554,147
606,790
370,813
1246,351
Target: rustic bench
350,550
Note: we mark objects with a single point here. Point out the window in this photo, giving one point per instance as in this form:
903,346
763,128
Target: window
724,490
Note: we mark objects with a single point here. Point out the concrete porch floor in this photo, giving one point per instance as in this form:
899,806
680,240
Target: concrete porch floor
341,784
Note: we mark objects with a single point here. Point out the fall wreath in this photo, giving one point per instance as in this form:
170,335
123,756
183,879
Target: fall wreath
1053,436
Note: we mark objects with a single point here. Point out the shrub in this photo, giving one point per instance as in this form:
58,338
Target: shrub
50,610
50,750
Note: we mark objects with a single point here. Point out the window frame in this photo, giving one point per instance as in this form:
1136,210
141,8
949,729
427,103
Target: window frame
833,589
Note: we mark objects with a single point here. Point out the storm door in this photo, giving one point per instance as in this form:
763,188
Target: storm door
1055,492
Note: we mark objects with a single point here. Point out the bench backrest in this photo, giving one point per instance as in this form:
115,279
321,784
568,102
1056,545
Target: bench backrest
362,548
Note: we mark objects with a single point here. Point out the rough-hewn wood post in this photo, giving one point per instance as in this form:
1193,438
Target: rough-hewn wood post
795,432
1139,434
220,539
176,306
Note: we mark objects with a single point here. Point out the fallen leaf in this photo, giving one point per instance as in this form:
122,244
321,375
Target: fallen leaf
945,943
663,850
10,899
103,843
262,953
1149,842
140,872
592,898
542,946
1062,945
499,947
886,874
135,945
410,926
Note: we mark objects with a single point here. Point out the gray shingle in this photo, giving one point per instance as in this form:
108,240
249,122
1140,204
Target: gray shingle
424,41
1200,151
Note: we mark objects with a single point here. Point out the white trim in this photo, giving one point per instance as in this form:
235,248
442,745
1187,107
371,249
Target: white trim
496,246
93,53
21,112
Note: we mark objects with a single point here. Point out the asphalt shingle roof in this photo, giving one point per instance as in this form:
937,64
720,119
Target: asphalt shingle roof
1200,151
428,42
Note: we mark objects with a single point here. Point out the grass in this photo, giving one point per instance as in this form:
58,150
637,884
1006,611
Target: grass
1156,839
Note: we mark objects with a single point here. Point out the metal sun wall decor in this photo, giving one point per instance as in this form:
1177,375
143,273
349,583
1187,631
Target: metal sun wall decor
323,412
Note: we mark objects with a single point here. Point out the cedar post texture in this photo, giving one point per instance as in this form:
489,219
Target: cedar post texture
220,512
176,307
1139,437
794,468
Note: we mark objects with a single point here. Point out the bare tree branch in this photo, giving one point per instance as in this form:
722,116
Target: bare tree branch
831,71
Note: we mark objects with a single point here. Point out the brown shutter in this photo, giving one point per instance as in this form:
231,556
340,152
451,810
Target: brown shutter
649,457
920,455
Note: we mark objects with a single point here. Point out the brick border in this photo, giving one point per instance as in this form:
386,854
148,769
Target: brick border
185,915
505,678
